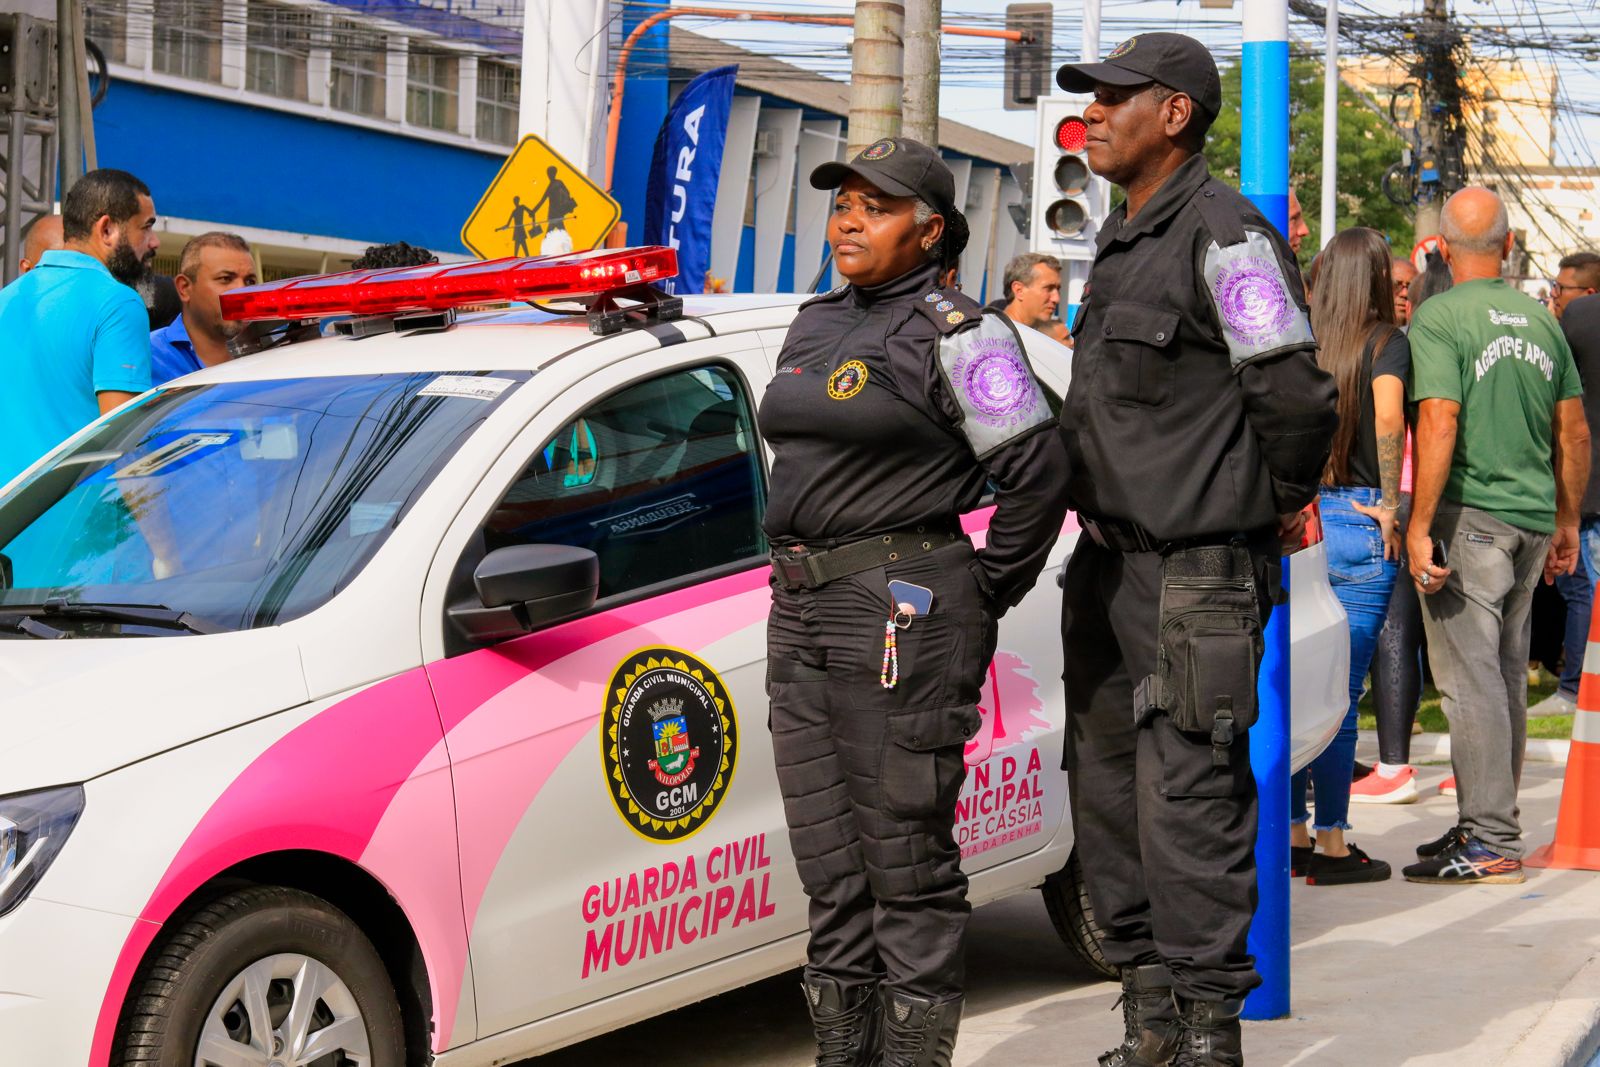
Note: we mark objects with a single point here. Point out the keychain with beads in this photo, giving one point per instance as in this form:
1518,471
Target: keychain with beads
889,676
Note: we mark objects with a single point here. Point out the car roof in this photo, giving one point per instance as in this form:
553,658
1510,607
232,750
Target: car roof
520,338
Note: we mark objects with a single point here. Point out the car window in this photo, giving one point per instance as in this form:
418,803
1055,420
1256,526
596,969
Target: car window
660,480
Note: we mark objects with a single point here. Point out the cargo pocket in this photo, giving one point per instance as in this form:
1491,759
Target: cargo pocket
1137,361
931,653
922,768
1207,660
1189,767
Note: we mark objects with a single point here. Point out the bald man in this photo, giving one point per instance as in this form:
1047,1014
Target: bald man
1298,230
41,235
1404,273
1497,396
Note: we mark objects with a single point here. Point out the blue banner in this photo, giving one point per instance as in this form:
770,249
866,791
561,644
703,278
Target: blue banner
682,192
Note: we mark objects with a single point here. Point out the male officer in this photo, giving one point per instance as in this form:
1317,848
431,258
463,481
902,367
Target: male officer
1197,426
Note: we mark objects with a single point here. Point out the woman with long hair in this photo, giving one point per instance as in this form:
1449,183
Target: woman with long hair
1352,314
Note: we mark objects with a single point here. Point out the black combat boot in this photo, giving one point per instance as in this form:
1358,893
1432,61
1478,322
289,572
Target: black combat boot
1211,1034
1149,1019
845,1017
918,1032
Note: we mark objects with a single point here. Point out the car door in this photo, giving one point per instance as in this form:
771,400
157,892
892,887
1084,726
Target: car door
620,819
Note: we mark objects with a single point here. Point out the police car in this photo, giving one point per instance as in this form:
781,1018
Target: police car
398,691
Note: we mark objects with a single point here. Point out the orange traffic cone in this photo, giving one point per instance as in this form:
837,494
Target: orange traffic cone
1577,843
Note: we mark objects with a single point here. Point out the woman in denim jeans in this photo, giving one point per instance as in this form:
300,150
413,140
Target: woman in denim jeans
1352,314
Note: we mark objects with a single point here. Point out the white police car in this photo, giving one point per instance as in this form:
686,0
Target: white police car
321,673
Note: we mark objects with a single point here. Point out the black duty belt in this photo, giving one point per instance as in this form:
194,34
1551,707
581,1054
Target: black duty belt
1123,535
803,567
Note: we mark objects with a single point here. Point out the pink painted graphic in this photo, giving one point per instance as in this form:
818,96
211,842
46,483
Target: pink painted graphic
1001,799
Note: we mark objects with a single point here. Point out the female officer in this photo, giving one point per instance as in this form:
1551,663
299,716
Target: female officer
895,404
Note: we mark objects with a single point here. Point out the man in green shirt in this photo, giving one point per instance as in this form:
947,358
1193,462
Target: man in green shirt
1497,396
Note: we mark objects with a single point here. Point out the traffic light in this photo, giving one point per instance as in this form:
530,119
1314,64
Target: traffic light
1028,69
1069,201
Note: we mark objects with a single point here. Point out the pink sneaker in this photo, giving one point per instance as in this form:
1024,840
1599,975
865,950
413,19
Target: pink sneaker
1374,788
1447,788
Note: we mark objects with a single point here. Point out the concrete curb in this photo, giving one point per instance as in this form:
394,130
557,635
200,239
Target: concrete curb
1568,1034
1426,748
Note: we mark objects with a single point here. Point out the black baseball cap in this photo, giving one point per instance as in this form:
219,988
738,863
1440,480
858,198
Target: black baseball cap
900,167
1175,60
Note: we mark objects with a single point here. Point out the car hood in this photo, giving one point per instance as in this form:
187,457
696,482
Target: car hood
78,708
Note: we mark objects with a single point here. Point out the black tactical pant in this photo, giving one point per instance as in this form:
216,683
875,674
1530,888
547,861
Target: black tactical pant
870,775
1166,837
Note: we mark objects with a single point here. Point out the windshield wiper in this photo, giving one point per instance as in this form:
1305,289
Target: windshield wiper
27,624
138,614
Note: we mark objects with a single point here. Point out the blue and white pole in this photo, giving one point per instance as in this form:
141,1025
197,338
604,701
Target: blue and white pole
1264,178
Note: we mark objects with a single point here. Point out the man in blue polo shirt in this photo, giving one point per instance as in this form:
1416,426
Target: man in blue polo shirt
74,335
212,264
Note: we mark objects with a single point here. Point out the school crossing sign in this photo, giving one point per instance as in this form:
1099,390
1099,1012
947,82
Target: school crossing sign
539,205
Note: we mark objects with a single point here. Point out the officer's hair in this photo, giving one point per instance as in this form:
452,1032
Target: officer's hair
189,262
1020,269
1193,135
1434,279
1587,266
394,254
1487,242
97,194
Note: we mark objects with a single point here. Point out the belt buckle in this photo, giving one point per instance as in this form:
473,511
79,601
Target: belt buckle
1092,528
791,569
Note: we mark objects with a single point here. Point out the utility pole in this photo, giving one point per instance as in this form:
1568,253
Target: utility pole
1330,123
69,114
877,65
1439,124
923,18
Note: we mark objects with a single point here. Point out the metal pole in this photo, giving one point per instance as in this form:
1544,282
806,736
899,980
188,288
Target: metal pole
14,186
923,18
80,67
1091,31
1264,178
1330,123
877,66
69,118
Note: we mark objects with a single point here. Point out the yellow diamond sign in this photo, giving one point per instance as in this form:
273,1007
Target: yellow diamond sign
539,205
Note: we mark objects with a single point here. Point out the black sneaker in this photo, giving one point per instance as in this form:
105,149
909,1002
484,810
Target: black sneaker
1456,835
1468,862
1345,870
1300,859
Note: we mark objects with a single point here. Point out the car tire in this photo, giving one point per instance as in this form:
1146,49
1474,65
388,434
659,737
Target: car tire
1066,898
280,951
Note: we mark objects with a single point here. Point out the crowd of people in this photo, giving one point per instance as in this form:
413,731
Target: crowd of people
89,324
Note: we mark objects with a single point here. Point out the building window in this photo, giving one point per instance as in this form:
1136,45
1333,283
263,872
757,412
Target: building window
277,48
187,39
432,89
107,26
499,95
359,58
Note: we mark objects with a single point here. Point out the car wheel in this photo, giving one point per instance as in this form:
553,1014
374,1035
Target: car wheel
1066,898
264,976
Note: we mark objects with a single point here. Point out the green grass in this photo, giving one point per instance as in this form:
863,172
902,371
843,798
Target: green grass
1551,727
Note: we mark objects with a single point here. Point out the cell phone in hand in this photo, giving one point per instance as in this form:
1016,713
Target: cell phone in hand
1441,555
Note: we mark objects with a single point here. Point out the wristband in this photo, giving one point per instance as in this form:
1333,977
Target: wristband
1389,507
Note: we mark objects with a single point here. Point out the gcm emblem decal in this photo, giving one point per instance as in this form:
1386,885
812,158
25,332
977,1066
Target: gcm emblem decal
848,380
669,742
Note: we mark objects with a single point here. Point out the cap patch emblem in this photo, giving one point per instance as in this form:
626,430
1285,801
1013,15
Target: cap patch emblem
955,317
878,150
934,298
1253,301
943,305
848,380
1123,49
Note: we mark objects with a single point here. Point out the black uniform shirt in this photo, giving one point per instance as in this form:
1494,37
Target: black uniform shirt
869,434
1580,322
1196,406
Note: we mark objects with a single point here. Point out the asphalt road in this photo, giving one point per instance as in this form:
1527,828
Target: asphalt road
1014,961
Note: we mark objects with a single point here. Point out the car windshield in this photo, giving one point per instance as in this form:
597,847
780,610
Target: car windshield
244,504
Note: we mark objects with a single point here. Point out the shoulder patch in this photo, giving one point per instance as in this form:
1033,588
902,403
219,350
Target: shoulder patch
949,311
1254,301
987,373
827,297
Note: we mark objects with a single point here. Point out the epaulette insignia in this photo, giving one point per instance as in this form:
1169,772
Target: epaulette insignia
943,305
934,298
955,317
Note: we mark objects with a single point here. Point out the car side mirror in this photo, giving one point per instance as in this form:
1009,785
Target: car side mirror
523,587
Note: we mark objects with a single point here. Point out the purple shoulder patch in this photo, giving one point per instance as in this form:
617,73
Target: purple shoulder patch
1252,300
995,381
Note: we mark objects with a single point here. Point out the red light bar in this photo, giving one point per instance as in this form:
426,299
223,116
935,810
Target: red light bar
436,286
1072,134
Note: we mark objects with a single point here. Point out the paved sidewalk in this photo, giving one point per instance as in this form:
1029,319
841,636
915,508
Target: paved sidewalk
1395,973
